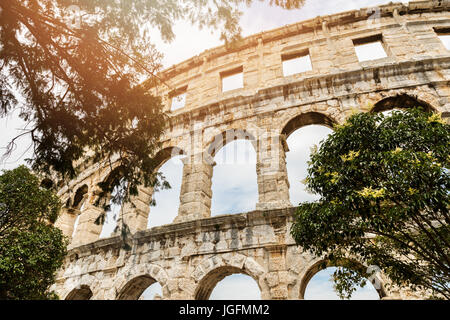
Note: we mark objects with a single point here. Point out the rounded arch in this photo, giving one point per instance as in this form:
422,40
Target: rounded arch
162,203
165,155
83,292
109,179
323,264
214,269
80,196
222,139
401,101
209,282
107,174
233,151
305,119
134,288
47,183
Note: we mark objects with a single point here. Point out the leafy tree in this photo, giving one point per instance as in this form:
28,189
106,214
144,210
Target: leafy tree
31,248
384,187
81,76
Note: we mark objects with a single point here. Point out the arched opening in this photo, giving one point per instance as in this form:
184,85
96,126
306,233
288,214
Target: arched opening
234,180
80,196
236,287
305,119
304,133
320,287
111,198
317,284
47,184
79,201
165,201
228,283
112,214
153,292
400,101
81,293
141,288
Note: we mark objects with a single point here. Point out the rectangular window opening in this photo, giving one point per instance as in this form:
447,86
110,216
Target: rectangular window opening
370,48
444,36
232,79
178,98
296,63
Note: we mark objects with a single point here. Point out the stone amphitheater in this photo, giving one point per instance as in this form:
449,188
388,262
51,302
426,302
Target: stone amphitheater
191,255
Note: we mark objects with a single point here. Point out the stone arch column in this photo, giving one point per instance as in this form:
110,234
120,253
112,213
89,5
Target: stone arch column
134,214
196,192
66,221
71,210
87,230
273,184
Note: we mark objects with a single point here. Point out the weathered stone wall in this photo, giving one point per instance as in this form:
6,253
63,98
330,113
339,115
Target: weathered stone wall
188,257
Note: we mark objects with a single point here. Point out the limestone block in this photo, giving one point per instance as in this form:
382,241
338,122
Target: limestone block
188,287
279,292
253,267
237,261
189,249
221,245
198,274
272,279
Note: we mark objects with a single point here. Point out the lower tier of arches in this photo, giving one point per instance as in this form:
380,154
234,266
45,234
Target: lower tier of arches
189,259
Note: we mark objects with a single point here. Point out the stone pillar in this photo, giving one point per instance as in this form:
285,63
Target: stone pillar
87,230
134,214
196,193
66,221
273,184
277,275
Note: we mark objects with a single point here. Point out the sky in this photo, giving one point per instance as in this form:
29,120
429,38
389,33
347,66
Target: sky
234,185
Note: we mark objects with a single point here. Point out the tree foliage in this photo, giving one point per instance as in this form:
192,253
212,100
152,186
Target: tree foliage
81,75
31,248
383,182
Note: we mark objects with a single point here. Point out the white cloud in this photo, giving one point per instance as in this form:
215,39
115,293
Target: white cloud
300,143
152,291
236,287
167,200
256,18
234,181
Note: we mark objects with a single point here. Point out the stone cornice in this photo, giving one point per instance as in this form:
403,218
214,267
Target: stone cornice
331,82
416,7
222,222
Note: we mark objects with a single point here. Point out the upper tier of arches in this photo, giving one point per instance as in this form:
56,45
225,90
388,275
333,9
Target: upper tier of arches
82,207
407,32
